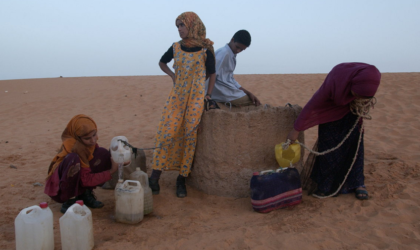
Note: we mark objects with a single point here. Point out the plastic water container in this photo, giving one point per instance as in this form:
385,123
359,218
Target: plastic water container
142,177
76,228
120,153
289,156
129,202
34,228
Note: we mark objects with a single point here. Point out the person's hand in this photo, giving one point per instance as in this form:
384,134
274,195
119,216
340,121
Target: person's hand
292,136
254,99
208,98
173,79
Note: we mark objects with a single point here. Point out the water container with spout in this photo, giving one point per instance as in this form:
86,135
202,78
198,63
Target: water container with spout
76,228
129,202
120,153
289,156
34,228
142,177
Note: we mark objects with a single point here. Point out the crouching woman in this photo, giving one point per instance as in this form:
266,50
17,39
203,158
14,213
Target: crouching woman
79,166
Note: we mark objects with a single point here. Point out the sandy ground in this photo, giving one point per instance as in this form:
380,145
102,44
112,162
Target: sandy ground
34,112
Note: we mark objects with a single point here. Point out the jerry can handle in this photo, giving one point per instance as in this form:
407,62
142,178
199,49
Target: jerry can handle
31,208
280,170
266,171
131,181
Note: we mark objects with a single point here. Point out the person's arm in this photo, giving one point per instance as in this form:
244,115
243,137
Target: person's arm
251,96
212,80
211,72
163,63
90,179
293,135
164,67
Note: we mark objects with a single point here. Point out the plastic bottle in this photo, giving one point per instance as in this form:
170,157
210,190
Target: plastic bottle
142,177
129,202
289,156
120,153
76,228
34,228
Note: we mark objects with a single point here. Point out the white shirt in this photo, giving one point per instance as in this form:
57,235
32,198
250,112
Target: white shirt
226,88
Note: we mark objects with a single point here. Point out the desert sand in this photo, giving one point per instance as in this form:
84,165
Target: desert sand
34,113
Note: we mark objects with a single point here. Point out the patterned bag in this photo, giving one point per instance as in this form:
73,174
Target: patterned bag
272,190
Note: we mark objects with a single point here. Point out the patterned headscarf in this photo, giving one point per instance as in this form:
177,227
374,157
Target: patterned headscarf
196,32
79,126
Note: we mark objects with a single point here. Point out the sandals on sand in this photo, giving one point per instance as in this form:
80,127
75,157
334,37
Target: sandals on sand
361,194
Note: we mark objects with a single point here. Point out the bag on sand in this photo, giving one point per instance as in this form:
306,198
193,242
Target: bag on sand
272,190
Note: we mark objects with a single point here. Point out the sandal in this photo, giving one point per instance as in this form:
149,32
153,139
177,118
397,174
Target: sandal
361,194
210,104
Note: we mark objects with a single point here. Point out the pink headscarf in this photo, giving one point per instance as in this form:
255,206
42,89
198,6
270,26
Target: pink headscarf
332,100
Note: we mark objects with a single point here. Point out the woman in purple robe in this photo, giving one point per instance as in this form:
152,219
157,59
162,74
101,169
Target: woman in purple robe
79,166
329,108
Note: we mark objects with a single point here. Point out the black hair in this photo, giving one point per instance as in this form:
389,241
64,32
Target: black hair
242,37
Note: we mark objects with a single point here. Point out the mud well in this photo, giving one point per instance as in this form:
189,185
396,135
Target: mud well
233,144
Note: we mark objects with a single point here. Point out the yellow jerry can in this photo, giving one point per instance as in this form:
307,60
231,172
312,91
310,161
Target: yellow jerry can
289,156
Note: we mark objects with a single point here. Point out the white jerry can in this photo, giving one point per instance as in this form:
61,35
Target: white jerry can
34,228
76,228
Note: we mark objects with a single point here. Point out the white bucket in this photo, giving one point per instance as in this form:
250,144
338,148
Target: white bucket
142,177
76,228
34,228
129,202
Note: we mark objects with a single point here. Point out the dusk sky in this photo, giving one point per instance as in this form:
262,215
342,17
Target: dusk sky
43,39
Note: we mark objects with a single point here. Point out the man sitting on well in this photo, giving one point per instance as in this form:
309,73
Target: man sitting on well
226,88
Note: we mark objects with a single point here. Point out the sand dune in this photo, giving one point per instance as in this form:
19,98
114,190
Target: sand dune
34,112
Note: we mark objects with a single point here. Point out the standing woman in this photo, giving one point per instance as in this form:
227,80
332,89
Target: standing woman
79,166
346,84
176,137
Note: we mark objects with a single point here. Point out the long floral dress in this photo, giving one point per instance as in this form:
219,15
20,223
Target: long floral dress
177,132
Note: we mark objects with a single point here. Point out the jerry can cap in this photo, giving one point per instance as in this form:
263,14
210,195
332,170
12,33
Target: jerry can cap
43,204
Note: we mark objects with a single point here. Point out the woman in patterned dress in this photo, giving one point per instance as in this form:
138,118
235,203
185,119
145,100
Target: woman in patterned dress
176,137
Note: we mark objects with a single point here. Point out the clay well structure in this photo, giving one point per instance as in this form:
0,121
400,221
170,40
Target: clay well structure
234,143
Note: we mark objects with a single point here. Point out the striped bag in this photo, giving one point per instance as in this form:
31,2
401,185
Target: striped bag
272,190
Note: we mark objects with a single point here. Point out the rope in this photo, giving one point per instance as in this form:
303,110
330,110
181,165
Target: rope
230,105
359,107
178,139
288,142
348,172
